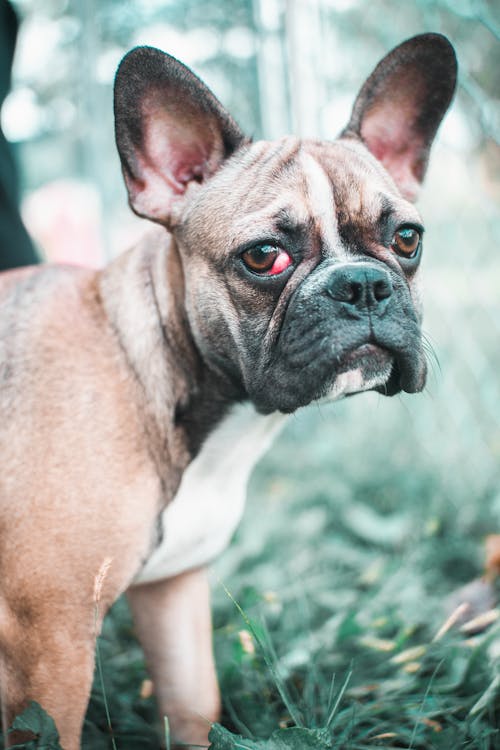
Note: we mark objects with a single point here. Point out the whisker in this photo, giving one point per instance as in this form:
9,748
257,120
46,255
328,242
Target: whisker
431,355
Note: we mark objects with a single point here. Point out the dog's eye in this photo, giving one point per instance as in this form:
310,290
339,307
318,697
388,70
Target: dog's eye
406,242
267,260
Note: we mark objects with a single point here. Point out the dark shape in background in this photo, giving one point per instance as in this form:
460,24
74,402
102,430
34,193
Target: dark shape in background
16,248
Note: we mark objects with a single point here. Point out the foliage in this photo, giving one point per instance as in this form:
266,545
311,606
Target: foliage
34,719
294,738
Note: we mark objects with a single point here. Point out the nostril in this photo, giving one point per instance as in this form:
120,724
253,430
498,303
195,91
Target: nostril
382,289
354,293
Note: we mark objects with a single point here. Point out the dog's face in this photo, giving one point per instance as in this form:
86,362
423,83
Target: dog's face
300,257
302,280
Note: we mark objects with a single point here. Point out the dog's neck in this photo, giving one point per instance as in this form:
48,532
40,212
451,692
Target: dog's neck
183,399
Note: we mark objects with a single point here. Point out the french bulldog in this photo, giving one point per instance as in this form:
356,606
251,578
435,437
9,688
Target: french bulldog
135,400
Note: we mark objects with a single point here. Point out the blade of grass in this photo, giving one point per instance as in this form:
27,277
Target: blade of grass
342,690
98,584
166,727
421,711
282,689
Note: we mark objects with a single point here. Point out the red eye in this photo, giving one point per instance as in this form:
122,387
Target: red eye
266,260
406,242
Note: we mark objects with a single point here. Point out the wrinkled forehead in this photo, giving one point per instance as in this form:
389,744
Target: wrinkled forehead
300,184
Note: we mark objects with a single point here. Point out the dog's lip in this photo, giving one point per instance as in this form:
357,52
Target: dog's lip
392,386
407,374
375,353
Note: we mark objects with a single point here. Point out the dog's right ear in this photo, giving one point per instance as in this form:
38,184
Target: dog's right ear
171,132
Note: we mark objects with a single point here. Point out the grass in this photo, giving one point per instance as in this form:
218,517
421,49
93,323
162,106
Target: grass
339,579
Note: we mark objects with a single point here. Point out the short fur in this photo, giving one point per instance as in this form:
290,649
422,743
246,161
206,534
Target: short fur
119,389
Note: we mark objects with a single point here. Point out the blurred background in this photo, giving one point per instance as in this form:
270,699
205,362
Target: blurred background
290,66
377,487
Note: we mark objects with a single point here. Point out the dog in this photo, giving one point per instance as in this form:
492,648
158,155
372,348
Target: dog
135,400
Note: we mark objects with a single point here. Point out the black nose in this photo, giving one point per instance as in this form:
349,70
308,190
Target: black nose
361,286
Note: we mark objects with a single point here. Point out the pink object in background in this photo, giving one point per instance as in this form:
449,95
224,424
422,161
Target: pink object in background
65,220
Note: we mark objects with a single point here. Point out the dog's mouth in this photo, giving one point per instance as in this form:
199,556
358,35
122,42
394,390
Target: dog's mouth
384,371
365,366
359,369
409,378
408,373
315,361
369,357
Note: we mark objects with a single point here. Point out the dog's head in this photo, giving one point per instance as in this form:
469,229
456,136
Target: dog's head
300,257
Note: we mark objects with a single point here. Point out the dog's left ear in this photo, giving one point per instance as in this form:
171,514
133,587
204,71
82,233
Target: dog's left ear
400,106
171,132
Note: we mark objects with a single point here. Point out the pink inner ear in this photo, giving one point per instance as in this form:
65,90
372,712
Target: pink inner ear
177,150
394,143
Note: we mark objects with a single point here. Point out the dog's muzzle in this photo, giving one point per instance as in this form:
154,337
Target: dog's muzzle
343,318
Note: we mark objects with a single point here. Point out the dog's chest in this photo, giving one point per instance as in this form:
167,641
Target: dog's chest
201,519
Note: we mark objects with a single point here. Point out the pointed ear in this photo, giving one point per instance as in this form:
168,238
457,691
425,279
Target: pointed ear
399,108
171,131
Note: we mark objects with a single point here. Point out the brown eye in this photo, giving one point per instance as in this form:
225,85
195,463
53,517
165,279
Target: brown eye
406,242
266,259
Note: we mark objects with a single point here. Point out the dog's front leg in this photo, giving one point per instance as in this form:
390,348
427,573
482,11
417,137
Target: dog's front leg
174,626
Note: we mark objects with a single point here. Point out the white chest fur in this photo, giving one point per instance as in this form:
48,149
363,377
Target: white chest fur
208,506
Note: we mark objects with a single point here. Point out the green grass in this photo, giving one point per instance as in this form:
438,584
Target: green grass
353,541
360,554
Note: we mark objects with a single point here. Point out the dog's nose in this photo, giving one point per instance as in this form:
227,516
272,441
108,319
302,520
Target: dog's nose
362,287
